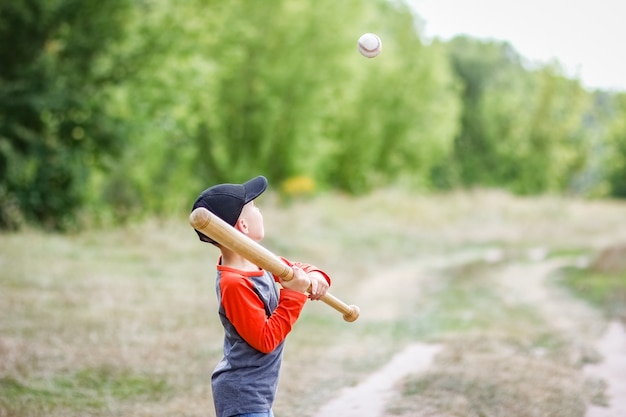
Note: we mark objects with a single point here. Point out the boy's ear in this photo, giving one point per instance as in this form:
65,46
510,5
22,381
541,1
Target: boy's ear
242,225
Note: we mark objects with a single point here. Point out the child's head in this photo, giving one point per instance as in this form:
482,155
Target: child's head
227,201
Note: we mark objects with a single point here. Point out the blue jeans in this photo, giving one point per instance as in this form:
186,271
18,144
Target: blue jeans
268,414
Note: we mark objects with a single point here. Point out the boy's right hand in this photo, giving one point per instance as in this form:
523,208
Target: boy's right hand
300,281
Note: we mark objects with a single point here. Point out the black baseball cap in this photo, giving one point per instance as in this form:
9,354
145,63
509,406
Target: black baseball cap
227,200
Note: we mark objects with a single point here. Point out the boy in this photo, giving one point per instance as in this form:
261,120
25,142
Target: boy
256,316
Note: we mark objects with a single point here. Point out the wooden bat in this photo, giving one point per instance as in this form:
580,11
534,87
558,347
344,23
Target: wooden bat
217,229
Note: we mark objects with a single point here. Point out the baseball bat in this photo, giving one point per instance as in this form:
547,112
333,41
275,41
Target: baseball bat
217,229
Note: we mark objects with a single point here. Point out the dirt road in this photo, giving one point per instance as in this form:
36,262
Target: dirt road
526,282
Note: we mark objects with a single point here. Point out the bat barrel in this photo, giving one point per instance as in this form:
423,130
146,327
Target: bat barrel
223,233
217,229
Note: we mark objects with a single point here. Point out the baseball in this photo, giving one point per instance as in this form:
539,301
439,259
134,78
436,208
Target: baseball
370,45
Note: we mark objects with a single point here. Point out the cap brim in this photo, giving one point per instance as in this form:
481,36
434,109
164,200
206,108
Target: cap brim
254,188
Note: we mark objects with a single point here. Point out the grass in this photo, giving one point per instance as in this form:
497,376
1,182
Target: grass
85,389
605,290
102,321
124,322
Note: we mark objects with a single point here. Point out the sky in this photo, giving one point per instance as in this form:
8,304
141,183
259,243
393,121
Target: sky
585,37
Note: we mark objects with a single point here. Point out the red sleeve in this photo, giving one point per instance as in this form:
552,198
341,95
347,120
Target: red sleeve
306,267
246,312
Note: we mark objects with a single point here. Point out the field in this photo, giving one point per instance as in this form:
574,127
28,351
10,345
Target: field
123,322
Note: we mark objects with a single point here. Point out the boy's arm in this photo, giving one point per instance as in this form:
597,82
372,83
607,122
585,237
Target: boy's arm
246,311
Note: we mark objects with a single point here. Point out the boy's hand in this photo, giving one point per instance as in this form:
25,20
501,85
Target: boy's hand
300,281
319,285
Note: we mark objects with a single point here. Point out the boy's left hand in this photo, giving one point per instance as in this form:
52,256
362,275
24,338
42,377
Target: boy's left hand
319,285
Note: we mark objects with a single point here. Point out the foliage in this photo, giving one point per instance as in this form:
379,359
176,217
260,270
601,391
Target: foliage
616,155
279,89
111,111
53,123
521,129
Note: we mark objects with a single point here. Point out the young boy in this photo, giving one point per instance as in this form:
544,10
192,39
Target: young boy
256,316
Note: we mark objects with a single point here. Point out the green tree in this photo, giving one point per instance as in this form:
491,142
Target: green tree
522,129
480,67
615,162
556,141
53,123
400,112
279,88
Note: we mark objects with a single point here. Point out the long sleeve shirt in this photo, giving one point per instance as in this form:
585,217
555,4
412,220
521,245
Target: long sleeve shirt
257,317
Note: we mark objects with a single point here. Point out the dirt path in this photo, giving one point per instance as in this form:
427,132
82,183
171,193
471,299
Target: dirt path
612,370
582,323
525,282
528,283
369,398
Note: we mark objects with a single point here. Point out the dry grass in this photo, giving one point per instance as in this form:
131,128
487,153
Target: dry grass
123,322
92,320
466,383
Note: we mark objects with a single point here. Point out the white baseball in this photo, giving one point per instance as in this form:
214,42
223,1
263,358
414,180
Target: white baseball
370,45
